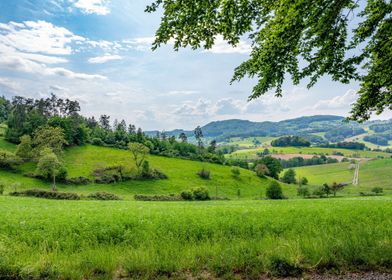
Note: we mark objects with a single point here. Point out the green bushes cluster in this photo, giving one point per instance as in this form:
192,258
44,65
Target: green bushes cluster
196,194
47,194
274,191
103,196
171,197
204,174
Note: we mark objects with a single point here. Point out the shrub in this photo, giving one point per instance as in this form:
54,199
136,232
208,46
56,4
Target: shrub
289,177
103,196
319,192
261,170
283,268
204,174
303,191
78,181
304,181
274,191
377,190
47,194
186,195
157,197
235,172
145,169
97,142
2,187
201,194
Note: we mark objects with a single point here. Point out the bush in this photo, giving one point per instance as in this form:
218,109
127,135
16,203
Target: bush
303,191
2,187
283,268
186,195
304,181
274,191
78,181
377,190
235,172
103,196
319,192
200,194
289,177
97,142
142,197
47,194
204,174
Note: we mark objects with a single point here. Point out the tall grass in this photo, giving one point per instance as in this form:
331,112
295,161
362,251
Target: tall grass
101,240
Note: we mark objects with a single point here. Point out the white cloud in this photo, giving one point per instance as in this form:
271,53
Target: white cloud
9,84
200,108
338,102
180,92
98,7
222,47
228,106
139,44
103,59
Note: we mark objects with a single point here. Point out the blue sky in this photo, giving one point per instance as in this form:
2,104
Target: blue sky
98,52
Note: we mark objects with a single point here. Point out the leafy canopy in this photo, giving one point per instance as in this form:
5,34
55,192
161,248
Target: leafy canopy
297,39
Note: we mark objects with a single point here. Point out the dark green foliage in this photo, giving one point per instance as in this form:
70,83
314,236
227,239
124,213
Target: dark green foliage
97,142
342,132
289,177
283,268
346,145
145,169
287,141
157,197
5,109
200,194
274,191
300,161
204,174
47,194
376,139
186,195
377,190
273,165
304,181
2,187
103,196
293,40
78,181
335,187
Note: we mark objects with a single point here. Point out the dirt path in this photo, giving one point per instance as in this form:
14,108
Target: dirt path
356,175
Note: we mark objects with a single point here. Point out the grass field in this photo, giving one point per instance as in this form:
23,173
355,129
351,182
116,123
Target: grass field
100,240
248,141
252,153
81,161
374,173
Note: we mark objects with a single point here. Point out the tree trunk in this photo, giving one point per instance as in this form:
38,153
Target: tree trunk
54,183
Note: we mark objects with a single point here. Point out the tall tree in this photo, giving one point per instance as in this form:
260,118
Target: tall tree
139,153
183,137
49,166
298,40
199,136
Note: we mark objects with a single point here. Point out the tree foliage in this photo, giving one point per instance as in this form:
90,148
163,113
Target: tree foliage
139,153
298,40
49,166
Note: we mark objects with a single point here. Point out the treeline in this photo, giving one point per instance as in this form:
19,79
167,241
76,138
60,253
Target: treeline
381,139
24,116
340,133
293,141
300,161
345,145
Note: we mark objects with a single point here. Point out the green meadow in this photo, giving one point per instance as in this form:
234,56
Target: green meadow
153,240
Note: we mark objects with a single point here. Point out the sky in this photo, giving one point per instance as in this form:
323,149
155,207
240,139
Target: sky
99,53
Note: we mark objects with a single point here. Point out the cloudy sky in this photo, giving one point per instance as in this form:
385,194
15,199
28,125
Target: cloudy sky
98,52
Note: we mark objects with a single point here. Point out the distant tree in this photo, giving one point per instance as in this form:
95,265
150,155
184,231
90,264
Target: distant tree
304,181
274,166
289,177
104,122
139,153
326,189
336,187
48,137
199,136
131,129
274,191
303,191
5,109
24,149
49,166
183,137
294,141
261,170
212,146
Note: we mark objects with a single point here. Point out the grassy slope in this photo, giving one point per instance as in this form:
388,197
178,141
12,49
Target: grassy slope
375,173
80,161
252,153
100,240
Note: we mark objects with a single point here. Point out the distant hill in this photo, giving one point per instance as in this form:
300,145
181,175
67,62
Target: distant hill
222,130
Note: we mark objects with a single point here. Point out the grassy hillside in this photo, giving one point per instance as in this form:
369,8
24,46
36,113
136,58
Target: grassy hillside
252,153
122,239
375,173
81,161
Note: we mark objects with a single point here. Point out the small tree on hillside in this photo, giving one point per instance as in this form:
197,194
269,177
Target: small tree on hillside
235,172
274,191
336,187
49,166
24,149
261,170
139,153
326,189
289,177
183,137
199,136
48,137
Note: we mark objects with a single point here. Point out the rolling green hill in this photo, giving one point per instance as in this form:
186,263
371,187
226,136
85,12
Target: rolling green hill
182,175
